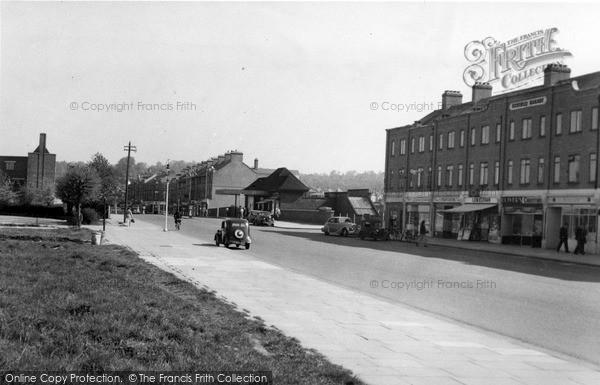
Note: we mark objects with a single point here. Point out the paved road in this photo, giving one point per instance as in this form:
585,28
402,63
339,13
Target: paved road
554,306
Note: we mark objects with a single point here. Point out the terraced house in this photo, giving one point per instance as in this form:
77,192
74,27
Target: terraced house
509,168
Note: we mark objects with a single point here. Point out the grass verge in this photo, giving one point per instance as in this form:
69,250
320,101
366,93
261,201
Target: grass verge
68,306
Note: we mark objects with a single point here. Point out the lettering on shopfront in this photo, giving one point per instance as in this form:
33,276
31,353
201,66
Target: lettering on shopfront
528,103
513,201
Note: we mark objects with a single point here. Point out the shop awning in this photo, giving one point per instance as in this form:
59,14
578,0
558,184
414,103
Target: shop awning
468,208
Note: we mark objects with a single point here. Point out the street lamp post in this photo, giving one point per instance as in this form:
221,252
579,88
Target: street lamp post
211,169
167,199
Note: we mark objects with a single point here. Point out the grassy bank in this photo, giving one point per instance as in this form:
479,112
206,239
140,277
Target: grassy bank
68,305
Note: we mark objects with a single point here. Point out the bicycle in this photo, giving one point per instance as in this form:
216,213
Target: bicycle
178,224
410,236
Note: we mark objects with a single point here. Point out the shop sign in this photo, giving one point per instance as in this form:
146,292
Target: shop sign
446,199
519,201
481,200
528,103
570,200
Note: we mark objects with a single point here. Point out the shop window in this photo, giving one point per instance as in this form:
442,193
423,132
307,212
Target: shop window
509,172
593,166
558,124
584,217
542,126
525,171
403,147
575,121
574,163
540,172
460,174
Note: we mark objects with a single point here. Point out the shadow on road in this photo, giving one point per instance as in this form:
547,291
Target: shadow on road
525,265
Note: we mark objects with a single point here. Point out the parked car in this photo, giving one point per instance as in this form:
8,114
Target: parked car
234,232
340,225
373,228
261,218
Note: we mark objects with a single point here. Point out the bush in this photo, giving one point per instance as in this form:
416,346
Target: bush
90,216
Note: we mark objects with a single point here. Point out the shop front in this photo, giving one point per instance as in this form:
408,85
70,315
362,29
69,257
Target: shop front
573,212
479,219
415,213
522,221
446,224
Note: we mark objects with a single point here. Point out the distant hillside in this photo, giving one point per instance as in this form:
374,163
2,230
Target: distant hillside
344,181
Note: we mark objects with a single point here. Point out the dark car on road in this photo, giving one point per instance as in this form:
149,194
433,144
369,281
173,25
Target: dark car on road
261,218
233,232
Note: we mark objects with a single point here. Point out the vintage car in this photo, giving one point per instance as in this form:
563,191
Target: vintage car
261,218
233,232
373,228
340,225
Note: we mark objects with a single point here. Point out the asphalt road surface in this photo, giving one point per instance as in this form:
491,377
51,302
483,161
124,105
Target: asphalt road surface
552,305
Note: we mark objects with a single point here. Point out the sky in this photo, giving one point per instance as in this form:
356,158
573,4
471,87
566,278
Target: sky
308,86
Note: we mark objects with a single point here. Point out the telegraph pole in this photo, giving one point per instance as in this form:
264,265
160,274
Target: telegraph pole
127,148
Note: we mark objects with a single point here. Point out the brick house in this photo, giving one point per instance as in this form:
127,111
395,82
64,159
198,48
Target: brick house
508,168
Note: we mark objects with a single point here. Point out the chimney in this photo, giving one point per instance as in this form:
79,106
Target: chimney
451,98
221,158
481,91
237,156
228,155
42,146
255,163
555,72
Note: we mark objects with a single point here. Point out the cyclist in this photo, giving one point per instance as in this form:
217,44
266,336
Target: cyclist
177,217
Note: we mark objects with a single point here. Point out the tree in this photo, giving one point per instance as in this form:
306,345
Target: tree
7,195
79,185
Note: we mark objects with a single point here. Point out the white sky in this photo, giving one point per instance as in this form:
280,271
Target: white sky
288,83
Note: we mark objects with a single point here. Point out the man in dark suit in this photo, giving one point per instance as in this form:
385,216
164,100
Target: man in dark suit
564,238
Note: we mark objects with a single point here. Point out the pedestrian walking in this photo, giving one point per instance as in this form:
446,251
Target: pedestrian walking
241,213
581,238
177,217
563,238
422,234
129,217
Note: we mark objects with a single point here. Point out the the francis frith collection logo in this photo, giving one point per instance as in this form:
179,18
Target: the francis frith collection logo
514,63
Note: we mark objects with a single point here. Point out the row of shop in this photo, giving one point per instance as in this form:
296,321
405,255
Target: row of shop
532,221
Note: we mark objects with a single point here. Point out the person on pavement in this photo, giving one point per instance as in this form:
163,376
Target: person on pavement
422,234
581,237
563,238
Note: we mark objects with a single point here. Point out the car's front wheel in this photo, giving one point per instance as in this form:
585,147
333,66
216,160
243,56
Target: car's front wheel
247,246
344,232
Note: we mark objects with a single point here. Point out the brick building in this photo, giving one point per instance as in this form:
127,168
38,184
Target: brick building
508,168
36,170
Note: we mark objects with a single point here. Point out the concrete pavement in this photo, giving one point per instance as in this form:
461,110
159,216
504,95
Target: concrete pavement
381,342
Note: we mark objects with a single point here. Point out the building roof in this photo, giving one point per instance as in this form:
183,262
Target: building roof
281,179
362,205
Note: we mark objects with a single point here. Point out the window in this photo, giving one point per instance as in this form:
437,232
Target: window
421,143
558,124
449,175
525,171
429,177
439,176
393,150
403,147
471,174
511,131
472,136
412,145
574,163
483,174
542,126
540,172
595,118
575,121
509,172
593,166
420,177
485,134
451,139
460,174
430,142
402,178
498,132
526,130
391,181
441,142
557,169
462,138
10,164
497,173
